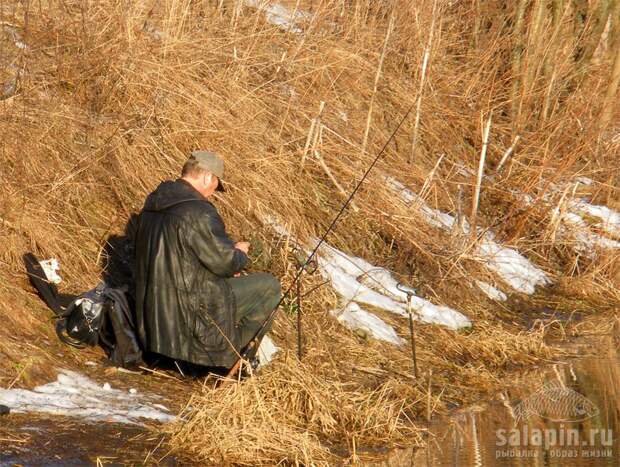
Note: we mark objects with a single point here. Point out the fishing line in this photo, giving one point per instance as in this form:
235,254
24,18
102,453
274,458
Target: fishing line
267,321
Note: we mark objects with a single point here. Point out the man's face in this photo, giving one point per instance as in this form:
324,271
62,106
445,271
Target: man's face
209,184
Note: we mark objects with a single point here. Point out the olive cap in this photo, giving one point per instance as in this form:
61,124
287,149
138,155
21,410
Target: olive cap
212,162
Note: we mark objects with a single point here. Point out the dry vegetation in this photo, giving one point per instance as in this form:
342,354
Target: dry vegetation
99,101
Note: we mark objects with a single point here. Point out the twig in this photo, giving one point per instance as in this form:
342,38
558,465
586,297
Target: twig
376,83
429,179
430,395
326,169
159,373
517,54
507,154
15,440
458,226
291,23
614,82
311,136
427,52
150,453
483,154
19,375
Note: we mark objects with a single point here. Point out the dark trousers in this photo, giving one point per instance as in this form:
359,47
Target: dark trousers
256,296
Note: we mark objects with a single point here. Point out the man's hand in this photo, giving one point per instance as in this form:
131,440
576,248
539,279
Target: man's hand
243,246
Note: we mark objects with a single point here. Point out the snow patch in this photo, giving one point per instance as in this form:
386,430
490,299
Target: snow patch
512,267
349,276
585,181
16,36
570,217
356,280
492,292
75,395
571,214
152,31
355,318
279,15
585,240
609,219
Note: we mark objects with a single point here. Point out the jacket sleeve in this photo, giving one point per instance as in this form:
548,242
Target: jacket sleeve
214,248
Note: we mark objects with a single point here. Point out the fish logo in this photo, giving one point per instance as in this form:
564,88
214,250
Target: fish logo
556,403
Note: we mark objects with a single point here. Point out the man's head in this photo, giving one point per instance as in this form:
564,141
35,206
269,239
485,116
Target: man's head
204,171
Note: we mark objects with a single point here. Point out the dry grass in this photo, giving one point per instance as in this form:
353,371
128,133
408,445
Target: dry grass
111,96
346,397
288,413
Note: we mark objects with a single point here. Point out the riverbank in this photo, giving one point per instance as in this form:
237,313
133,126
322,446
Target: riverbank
495,206
589,347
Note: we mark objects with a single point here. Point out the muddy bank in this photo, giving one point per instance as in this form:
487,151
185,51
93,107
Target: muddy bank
47,439
28,439
465,436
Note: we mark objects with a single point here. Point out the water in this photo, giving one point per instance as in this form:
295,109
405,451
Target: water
564,414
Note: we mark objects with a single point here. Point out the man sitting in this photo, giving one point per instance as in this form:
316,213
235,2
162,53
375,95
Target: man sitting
191,302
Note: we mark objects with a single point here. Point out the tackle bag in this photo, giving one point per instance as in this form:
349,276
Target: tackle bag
102,316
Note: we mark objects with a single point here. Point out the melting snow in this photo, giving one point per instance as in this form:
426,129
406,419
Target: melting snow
585,181
572,218
514,268
356,280
492,292
586,240
610,219
279,15
16,36
73,394
152,31
350,275
354,317
571,215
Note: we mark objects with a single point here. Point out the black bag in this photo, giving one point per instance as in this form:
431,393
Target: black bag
102,316
80,323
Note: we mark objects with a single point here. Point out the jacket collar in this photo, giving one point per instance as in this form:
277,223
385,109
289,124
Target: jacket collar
171,193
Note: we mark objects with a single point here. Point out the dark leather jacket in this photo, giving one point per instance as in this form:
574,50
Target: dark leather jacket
184,307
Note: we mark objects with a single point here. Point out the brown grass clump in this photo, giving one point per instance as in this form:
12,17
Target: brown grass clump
350,394
290,414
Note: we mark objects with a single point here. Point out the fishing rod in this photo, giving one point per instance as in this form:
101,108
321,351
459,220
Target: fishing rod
300,260
259,334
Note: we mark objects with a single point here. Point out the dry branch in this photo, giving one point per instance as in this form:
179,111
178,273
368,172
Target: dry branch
483,153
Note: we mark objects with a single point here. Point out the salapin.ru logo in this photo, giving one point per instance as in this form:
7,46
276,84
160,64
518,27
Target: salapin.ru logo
556,403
